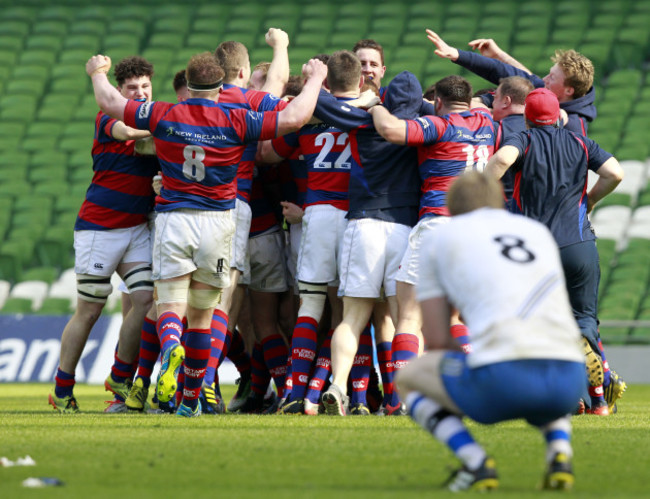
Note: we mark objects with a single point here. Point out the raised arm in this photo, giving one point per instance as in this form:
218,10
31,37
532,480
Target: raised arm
610,175
388,126
489,48
490,69
108,98
278,74
501,161
300,109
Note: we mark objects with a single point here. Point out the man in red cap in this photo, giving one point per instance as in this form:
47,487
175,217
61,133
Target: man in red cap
550,166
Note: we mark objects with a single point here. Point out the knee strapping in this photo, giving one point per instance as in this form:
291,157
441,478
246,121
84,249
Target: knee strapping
204,298
312,300
139,278
172,291
94,288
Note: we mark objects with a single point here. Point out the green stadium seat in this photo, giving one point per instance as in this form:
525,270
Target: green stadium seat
468,26
315,41
44,42
55,248
54,173
67,204
56,109
99,12
15,188
566,37
15,29
14,132
13,255
44,57
19,13
627,54
34,291
74,56
56,13
44,274
88,42
166,41
425,9
386,38
16,306
52,188
31,202
133,11
176,24
55,306
95,27
25,86
50,27
318,11
126,26
344,40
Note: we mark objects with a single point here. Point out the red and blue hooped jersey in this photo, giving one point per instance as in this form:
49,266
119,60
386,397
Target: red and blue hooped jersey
263,215
292,174
234,97
449,145
327,152
199,144
120,194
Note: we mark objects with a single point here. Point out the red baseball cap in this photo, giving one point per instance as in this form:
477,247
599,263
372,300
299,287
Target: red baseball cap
542,107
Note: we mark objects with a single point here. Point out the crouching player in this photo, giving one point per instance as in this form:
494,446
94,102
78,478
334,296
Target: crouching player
503,273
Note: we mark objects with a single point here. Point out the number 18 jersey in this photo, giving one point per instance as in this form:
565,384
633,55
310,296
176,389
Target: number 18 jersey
449,145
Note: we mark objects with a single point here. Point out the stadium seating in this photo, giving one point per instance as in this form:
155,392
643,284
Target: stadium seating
47,107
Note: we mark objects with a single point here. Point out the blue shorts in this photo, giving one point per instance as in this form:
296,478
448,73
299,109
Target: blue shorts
537,390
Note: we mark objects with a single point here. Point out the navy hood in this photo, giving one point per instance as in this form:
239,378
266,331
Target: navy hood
404,96
582,106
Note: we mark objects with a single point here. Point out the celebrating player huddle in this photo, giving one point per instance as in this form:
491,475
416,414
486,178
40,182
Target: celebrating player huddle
394,227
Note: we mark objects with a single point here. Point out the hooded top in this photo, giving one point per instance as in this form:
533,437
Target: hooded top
581,111
384,183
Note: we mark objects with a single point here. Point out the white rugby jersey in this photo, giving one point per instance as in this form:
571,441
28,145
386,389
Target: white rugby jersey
503,272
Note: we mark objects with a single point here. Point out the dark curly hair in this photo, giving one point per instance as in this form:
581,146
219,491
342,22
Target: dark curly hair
132,67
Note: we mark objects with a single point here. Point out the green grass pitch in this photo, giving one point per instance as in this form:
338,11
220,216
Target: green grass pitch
122,456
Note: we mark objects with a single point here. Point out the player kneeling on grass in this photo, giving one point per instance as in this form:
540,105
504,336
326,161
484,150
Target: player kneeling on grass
503,273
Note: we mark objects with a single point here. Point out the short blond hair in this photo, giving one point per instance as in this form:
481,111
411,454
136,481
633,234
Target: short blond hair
474,190
578,71
232,56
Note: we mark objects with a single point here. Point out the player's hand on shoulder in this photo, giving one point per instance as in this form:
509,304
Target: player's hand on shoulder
442,49
98,64
276,37
368,99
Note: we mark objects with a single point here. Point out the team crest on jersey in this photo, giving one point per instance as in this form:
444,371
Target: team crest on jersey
144,110
170,131
423,122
